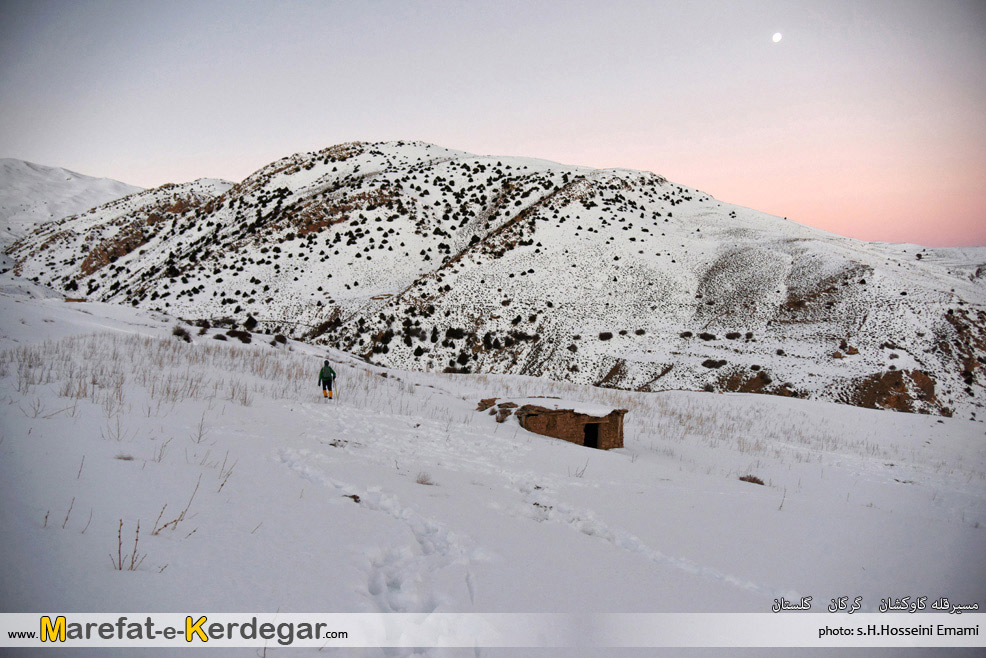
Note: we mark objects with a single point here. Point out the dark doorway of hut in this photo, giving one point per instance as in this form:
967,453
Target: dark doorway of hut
591,435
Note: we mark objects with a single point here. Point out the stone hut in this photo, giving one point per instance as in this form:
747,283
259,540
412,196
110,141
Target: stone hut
590,425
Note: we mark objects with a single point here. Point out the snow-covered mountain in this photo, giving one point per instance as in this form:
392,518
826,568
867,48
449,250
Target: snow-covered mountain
416,256
31,194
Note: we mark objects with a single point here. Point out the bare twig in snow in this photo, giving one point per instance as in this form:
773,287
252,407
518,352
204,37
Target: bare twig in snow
69,512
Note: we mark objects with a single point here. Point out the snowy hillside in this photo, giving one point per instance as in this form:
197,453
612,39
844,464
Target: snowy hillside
31,194
420,257
253,493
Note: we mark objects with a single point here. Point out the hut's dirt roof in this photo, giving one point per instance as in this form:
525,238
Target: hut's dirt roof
587,408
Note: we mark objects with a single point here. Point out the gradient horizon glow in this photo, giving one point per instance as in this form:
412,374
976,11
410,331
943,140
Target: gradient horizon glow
867,119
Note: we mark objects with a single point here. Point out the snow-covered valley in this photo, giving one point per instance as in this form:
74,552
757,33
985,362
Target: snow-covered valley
254,493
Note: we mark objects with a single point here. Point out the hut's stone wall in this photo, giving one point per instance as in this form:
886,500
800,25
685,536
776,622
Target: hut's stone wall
571,426
605,432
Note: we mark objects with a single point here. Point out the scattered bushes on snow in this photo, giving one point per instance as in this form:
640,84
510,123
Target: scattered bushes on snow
242,336
181,333
322,328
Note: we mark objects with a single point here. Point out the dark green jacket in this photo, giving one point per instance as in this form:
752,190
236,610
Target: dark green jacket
326,374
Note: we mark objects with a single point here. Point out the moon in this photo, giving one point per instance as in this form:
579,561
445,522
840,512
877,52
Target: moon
777,37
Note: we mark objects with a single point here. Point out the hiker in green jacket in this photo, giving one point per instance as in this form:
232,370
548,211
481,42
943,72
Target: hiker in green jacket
325,377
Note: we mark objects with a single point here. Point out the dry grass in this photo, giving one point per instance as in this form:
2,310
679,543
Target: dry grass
175,522
129,562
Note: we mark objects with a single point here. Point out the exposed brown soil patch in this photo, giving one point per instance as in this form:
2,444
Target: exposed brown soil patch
614,376
900,390
971,339
742,381
317,216
107,251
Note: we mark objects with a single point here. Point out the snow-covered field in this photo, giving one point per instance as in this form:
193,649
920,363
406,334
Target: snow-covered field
252,493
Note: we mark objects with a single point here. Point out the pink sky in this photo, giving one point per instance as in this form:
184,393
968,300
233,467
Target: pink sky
866,119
